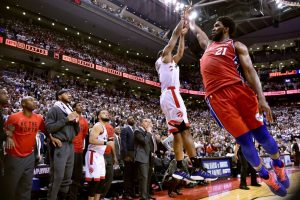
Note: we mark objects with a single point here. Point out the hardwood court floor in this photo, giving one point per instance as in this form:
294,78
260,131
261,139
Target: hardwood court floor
229,190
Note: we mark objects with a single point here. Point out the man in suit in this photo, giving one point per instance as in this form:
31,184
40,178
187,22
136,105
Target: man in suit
117,140
143,149
127,151
239,156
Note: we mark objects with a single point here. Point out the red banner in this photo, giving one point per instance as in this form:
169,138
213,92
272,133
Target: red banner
153,83
108,70
36,49
184,91
274,74
274,93
11,43
135,78
78,61
293,91
26,47
200,93
1,39
77,2
56,55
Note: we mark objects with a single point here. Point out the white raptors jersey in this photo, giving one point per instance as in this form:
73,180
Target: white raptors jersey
102,137
168,74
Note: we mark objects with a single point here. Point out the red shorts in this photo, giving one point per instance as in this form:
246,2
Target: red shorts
235,108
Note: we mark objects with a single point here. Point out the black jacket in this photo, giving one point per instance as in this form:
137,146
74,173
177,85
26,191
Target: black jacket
127,142
142,146
58,125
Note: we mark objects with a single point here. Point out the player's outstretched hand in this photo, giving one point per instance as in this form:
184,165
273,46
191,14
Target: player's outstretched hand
265,108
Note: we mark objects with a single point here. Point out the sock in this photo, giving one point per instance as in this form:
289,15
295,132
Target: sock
278,163
195,162
263,173
180,164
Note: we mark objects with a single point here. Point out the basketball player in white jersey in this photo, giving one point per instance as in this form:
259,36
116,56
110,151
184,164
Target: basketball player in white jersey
94,159
174,109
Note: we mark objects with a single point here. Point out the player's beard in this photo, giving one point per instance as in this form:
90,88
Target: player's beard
217,37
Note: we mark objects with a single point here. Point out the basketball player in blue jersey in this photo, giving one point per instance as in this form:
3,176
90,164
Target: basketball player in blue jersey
174,109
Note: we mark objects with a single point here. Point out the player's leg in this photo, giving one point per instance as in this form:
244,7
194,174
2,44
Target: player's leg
263,136
181,173
188,142
198,171
259,130
227,111
251,154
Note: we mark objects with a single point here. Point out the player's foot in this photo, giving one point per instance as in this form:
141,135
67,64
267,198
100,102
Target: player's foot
275,186
282,176
182,175
200,175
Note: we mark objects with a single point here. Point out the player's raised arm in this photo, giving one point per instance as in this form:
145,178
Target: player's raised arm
180,49
166,54
200,34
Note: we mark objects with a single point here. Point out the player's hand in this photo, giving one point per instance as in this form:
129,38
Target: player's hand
265,108
55,141
236,158
127,159
116,162
72,116
9,143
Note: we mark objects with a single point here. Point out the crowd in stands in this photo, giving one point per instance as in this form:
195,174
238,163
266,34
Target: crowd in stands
271,55
43,37
209,139
122,104
118,12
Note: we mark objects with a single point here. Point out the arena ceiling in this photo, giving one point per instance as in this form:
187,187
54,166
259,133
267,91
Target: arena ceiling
256,19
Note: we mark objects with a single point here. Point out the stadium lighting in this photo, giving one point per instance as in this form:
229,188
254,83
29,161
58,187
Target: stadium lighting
7,7
39,19
109,45
99,41
177,8
66,29
24,13
193,15
127,51
42,63
78,33
53,24
89,38
181,6
137,54
279,5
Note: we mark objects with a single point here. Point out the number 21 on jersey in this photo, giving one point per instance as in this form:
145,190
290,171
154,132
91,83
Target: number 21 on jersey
221,51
